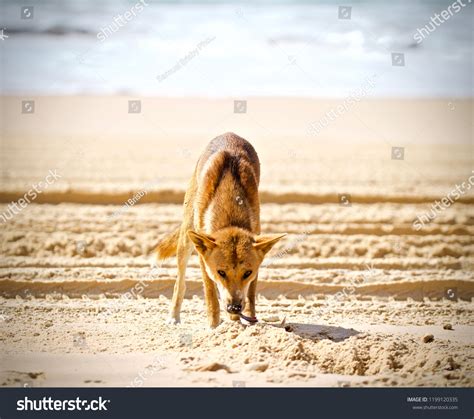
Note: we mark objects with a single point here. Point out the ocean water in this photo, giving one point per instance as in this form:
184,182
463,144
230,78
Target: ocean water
235,48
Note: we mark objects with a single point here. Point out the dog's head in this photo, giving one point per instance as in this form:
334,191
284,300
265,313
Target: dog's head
232,257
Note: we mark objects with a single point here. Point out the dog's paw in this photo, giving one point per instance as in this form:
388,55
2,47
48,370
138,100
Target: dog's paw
234,317
173,320
214,323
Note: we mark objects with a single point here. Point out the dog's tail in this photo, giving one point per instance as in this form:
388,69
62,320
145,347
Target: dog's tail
168,245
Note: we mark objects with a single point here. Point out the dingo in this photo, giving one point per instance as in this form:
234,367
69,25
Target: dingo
222,220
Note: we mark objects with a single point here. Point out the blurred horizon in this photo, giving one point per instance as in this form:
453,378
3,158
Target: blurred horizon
235,49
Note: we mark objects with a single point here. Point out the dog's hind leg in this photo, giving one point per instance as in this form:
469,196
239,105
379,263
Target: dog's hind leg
183,253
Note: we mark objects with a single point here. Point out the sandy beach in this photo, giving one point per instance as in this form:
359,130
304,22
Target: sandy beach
355,295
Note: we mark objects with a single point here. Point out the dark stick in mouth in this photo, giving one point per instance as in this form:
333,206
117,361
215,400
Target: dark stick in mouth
248,319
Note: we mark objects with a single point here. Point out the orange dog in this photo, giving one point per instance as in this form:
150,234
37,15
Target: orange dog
222,220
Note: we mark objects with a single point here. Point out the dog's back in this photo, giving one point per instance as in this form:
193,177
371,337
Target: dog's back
227,177
223,191
240,156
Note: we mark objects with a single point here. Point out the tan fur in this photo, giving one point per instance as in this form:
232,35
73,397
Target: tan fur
168,245
222,221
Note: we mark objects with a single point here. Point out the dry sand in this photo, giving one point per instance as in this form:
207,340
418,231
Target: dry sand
353,296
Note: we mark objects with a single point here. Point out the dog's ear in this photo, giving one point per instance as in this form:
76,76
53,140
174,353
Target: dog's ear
202,242
265,243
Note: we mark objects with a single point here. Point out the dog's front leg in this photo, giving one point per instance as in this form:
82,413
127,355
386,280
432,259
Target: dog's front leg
250,300
210,292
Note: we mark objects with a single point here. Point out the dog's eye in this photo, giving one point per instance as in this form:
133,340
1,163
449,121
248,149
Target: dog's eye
221,273
247,274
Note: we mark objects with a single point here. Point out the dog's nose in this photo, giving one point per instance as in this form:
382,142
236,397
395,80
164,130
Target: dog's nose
234,308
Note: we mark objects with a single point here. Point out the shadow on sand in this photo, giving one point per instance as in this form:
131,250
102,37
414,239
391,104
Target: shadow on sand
319,332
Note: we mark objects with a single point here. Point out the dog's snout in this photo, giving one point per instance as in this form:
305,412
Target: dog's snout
234,308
